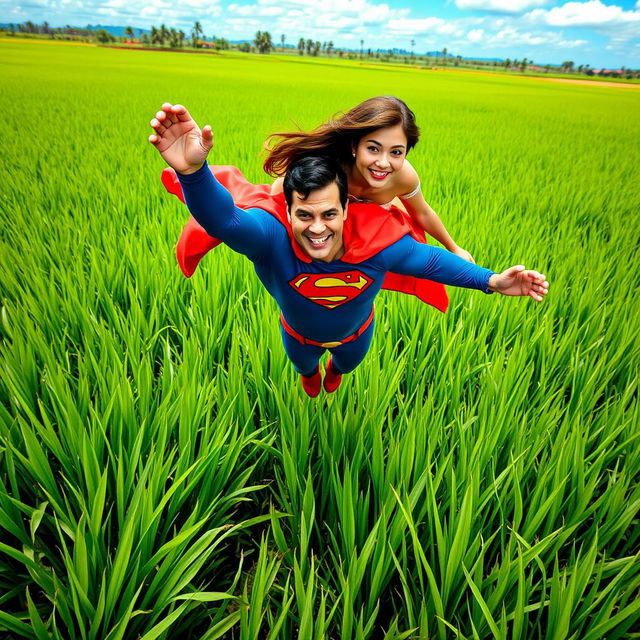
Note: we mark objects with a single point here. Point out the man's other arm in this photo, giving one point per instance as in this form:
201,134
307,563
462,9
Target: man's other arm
248,232
411,258
408,257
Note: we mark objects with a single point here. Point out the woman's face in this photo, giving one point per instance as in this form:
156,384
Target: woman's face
380,154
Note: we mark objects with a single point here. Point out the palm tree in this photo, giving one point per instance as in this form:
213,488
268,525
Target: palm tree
309,44
263,42
129,33
413,44
301,46
444,56
164,34
329,47
268,43
197,32
361,48
316,48
282,39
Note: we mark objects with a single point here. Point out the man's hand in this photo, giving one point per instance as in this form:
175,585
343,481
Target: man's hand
179,140
518,281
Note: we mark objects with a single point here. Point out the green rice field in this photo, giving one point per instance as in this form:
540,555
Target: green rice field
163,474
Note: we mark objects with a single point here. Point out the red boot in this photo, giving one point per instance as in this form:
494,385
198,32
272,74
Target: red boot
332,378
311,384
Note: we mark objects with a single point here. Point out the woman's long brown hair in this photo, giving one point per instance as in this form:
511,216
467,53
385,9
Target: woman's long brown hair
341,134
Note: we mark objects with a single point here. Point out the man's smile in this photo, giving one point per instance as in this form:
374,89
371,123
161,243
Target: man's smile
319,243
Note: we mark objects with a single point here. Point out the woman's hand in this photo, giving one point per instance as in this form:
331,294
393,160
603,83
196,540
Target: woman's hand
179,140
463,253
518,281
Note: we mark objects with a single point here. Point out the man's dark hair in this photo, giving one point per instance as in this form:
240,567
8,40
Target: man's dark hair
311,173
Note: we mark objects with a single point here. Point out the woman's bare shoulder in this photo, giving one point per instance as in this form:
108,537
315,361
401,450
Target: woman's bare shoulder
276,187
407,180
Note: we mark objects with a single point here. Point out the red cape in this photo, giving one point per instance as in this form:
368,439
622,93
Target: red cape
368,230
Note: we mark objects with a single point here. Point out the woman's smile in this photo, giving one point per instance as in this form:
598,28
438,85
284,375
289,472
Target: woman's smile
378,175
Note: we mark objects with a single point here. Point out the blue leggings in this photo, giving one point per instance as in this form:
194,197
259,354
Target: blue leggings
346,357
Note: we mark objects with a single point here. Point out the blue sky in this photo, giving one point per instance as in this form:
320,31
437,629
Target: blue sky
597,32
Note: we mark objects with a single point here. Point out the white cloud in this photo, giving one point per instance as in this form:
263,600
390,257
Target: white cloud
255,10
332,14
572,44
584,14
447,28
511,37
416,26
334,21
475,35
379,13
502,6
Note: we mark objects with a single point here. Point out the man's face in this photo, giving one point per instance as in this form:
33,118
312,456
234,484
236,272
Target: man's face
317,223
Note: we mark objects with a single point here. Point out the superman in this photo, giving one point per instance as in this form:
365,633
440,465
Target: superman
307,250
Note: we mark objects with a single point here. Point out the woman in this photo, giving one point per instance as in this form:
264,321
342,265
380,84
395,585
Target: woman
371,141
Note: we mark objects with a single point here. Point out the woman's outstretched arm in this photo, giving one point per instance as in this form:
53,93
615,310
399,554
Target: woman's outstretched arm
425,216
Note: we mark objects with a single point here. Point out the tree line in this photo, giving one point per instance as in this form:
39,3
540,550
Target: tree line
263,44
161,35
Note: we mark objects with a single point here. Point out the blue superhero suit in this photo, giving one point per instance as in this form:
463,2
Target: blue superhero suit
325,302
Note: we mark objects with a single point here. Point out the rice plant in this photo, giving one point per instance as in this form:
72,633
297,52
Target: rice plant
162,473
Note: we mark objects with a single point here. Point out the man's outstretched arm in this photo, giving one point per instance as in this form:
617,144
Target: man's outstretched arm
179,140
412,258
184,147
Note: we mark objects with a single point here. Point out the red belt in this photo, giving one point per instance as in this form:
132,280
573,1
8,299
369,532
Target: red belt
327,345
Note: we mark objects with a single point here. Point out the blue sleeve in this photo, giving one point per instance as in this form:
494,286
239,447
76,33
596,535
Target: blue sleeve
248,232
412,258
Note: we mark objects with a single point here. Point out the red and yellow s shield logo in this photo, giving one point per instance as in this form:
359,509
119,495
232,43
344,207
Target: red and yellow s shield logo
331,291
